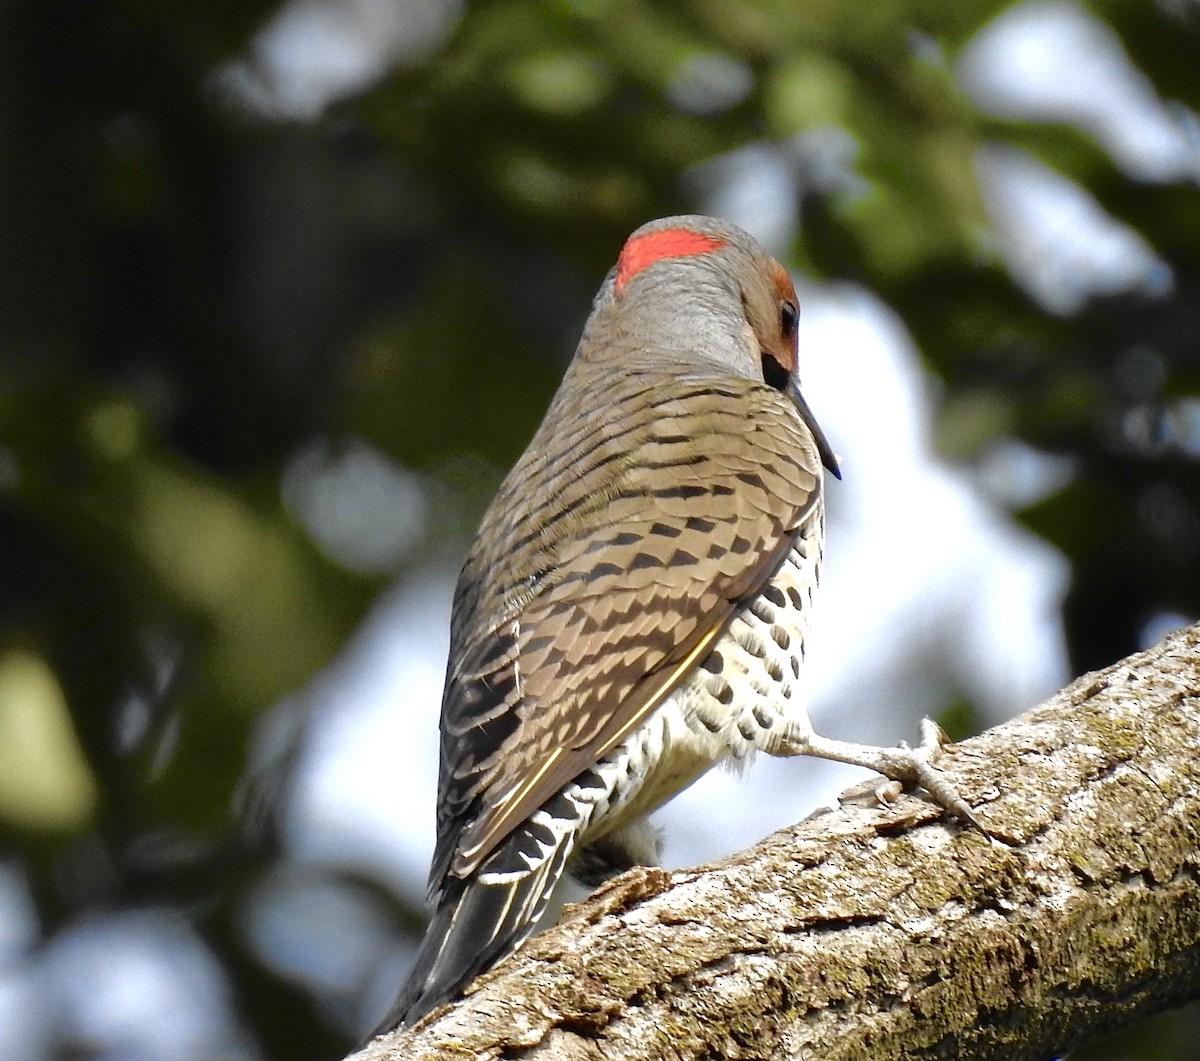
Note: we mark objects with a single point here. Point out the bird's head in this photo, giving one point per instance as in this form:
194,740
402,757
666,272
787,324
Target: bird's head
699,288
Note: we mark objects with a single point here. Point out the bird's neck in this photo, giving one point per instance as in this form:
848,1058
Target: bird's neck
694,324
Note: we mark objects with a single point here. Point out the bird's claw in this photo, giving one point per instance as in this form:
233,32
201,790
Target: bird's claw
915,767
902,765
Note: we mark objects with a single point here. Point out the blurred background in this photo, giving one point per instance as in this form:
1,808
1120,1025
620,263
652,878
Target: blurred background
285,288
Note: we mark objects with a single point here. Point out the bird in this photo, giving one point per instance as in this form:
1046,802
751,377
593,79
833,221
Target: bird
635,607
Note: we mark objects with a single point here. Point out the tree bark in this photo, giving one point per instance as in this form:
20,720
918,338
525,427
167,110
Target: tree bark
887,931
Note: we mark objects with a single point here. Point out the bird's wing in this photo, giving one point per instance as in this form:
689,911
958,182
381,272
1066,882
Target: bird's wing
613,556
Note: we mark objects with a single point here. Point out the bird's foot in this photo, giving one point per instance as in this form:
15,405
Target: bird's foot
902,765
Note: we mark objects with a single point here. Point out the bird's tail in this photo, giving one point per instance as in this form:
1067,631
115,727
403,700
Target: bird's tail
477,921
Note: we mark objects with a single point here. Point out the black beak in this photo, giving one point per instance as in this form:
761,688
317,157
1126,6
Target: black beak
823,447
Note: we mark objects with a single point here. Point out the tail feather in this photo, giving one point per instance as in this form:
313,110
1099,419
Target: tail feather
477,921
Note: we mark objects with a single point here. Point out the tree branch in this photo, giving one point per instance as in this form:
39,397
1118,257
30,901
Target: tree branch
887,932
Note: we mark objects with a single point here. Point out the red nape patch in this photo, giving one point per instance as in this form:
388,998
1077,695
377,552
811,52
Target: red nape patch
641,251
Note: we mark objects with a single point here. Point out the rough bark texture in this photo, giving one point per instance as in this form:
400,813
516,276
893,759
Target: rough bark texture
888,932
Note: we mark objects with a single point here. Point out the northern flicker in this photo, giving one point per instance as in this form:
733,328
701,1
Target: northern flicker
636,604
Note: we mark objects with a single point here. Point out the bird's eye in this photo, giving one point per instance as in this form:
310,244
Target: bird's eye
788,316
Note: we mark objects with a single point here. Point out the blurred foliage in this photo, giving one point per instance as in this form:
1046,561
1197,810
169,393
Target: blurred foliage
191,293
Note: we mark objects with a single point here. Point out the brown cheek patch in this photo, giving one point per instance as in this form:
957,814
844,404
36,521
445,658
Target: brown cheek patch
642,251
784,289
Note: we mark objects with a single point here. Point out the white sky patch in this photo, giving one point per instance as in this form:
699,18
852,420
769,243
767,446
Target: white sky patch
1051,60
1017,475
1059,242
140,984
25,1020
365,510
710,82
367,791
316,52
316,932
